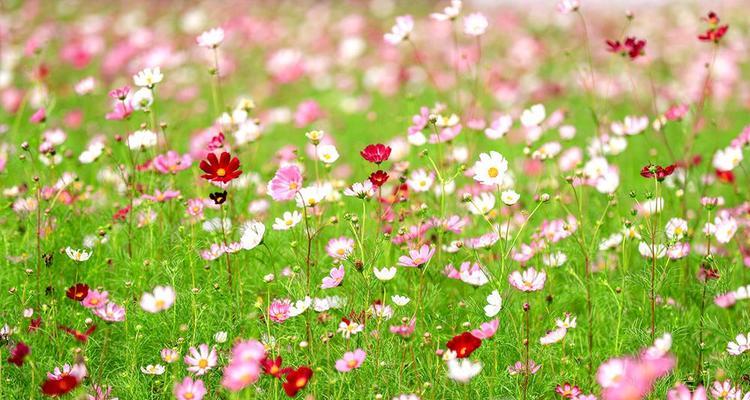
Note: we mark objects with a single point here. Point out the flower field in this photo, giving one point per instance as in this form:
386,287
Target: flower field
374,199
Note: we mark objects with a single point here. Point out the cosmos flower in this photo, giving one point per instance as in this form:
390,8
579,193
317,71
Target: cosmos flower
401,30
351,360
172,162
201,360
211,38
486,329
385,273
142,139
77,255
148,77
475,24
190,389
715,32
162,298
464,344
340,248
417,257
528,281
376,153
18,354
378,178
279,310
490,169
286,183
296,380
631,47
288,221
462,370
222,169
334,279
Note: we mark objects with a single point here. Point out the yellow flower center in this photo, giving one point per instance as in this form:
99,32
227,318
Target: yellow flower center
203,363
188,395
352,363
221,172
493,172
159,304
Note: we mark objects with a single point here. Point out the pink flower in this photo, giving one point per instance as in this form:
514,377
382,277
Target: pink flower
486,330
239,375
404,330
120,110
307,112
201,360
675,113
189,389
683,393
417,258
286,183
172,162
279,310
160,196
528,281
340,248
248,351
39,116
351,360
110,312
725,390
630,378
725,300
95,299
334,279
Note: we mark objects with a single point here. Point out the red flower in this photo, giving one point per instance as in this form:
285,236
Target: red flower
632,47
222,169
19,353
714,32
82,337
296,380
378,178
376,153
35,324
464,344
657,171
121,214
59,386
78,292
273,367
725,176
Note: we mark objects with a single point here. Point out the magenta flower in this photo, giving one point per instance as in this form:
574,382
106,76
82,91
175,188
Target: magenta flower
172,162
334,279
351,360
486,330
404,330
120,110
528,281
286,183
417,258
39,116
189,389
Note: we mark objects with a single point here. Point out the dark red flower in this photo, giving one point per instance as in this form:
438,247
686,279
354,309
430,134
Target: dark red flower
78,292
59,386
464,344
376,153
631,47
714,33
725,176
82,337
218,197
18,353
296,380
221,169
378,178
657,171
35,324
273,367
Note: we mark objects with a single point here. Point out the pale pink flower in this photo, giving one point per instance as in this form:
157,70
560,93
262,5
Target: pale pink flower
201,360
681,392
340,248
95,299
110,312
172,162
334,279
189,389
351,360
528,281
417,257
307,112
239,375
286,183
486,329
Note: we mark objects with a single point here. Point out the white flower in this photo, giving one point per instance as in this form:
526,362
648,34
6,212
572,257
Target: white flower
251,234
385,273
315,136
474,278
555,259
482,204
490,168
652,206
327,153
288,221
420,180
311,196
553,336
220,337
449,13
400,300
547,151
85,86
509,197
494,304
676,228
362,190
142,139
724,228
660,347
142,99
211,39
148,77
475,24
740,345
157,369
727,159
648,252
401,30
463,370
567,6
215,225
611,242
92,153
533,116
77,255
499,127
300,306
161,299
